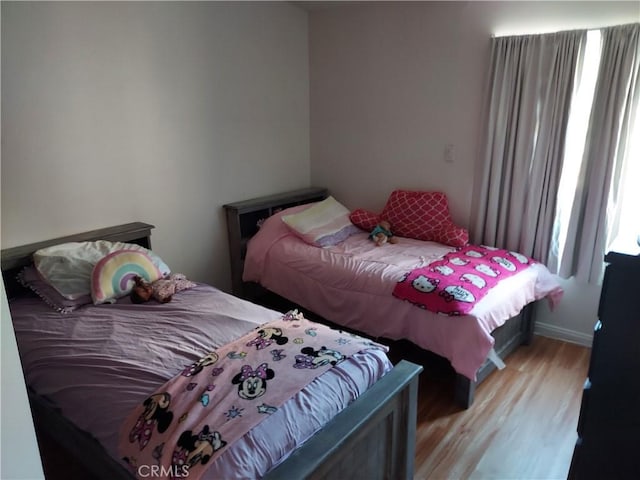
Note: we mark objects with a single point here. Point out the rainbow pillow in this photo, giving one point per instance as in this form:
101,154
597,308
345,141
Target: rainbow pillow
112,277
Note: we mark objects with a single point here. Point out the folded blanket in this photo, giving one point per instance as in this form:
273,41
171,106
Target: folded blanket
186,423
455,284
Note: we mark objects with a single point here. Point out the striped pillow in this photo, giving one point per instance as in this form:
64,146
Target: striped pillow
324,224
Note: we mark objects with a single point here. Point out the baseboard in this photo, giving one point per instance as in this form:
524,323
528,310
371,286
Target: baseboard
559,333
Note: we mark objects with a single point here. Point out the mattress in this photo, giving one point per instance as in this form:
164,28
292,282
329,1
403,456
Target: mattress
97,363
351,284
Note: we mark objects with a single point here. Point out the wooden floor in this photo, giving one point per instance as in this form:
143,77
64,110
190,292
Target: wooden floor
521,426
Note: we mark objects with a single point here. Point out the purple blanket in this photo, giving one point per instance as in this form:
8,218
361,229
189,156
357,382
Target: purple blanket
454,284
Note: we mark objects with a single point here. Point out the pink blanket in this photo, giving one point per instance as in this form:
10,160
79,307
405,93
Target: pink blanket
187,423
455,284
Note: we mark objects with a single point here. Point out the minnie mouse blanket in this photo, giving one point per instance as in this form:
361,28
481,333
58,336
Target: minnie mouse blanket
457,282
187,423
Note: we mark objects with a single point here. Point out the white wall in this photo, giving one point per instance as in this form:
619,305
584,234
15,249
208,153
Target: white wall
18,445
154,111
393,83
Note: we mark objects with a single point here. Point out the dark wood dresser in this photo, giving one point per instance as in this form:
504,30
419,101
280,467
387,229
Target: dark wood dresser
244,219
608,445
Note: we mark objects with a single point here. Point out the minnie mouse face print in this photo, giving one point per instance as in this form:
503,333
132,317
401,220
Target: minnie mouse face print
253,383
267,336
195,368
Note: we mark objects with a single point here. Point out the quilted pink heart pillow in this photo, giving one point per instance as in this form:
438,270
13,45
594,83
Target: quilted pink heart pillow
423,216
364,219
451,235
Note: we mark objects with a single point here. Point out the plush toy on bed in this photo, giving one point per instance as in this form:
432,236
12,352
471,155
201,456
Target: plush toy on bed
161,290
381,234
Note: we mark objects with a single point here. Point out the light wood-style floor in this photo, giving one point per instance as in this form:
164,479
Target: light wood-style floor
522,424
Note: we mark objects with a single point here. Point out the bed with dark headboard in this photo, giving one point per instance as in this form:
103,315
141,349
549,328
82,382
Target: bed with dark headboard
283,265
15,258
383,419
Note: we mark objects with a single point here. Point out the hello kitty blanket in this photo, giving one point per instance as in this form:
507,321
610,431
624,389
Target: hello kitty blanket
187,423
453,285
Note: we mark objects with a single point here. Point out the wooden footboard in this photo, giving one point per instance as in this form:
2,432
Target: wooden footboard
373,438
85,449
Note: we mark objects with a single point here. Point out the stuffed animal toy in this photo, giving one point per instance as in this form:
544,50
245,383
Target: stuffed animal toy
141,291
381,234
161,290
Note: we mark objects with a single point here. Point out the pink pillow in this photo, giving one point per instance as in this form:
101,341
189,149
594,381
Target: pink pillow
423,216
364,219
451,235
30,278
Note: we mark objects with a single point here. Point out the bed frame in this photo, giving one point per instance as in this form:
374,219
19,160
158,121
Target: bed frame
243,219
513,333
373,438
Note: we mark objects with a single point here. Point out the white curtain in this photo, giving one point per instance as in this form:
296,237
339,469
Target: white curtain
595,211
531,81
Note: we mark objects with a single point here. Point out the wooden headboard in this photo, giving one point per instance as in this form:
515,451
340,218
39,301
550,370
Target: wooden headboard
13,259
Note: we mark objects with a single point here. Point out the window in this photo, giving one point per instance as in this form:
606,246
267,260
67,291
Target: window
620,227
626,230
575,141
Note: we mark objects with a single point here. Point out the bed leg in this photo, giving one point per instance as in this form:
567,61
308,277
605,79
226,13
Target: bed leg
464,391
528,324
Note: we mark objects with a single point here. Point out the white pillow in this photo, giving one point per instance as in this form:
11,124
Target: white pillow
67,267
324,224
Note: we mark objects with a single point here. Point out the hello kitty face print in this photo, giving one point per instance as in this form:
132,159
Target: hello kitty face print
519,257
425,284
476,280
504,263
456,292
487,270
458,261
454,284
443,270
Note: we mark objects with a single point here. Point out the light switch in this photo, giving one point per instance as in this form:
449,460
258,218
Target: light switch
449,153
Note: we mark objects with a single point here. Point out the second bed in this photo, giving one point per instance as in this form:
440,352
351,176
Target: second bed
351,284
